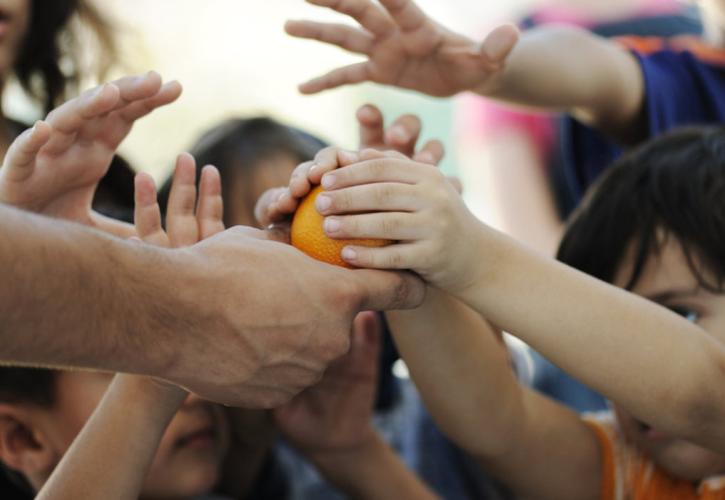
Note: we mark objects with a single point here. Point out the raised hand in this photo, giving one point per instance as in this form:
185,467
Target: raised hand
188,221
335,415
55,168
276,205
405,48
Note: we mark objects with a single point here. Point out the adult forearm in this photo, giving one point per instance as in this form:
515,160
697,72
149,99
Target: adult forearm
444,340
71,296
606,337
570,70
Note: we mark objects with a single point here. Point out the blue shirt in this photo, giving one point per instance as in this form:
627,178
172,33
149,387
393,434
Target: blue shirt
684,85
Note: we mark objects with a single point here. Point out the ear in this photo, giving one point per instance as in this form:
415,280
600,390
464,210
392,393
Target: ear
23,446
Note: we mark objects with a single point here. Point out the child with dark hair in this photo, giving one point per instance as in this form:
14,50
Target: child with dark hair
653,225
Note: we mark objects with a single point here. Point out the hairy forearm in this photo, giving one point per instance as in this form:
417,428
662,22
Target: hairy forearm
462,370
373,472
606,337
111,456
75,297
571,70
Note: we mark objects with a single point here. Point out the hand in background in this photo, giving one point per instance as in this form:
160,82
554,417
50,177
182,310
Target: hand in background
405,48
55,167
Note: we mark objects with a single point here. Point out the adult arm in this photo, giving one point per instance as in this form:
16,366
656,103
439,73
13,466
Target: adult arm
264,319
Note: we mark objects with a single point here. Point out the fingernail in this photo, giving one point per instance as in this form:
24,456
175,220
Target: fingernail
281,196
323,203
348,253
314,167
328,181
332,225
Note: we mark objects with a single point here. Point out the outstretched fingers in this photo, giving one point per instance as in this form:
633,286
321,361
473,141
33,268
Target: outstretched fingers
168,93
180,213
69,118
347,75
210,206
147,214
19,161
367,13
346,37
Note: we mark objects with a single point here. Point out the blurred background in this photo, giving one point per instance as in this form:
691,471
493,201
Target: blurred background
233,58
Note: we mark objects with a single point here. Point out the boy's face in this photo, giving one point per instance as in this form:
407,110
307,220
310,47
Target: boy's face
188,460
667,280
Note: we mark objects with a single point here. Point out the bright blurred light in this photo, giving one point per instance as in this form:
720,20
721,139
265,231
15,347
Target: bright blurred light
234,58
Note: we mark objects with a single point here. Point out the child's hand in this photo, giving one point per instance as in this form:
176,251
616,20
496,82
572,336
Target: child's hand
334,416
55,167
276,206
412,203
405,48
188,220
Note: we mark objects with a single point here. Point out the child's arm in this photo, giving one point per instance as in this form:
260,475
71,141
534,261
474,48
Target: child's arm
555,68
460,365
331,425
600,334
54,169
111,456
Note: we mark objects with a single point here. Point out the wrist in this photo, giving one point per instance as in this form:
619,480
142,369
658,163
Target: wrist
324,456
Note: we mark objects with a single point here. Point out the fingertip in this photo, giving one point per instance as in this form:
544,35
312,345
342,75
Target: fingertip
369,114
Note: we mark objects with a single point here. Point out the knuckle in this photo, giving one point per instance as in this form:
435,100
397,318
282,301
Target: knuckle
383,194
395,260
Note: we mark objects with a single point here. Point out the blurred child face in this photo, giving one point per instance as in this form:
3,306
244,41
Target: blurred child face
188,460
14,22
667,280
266,174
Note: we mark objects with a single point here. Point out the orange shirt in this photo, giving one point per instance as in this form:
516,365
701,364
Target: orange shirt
627,474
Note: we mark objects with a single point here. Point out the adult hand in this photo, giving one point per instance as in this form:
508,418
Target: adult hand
267,320
405,48
54,168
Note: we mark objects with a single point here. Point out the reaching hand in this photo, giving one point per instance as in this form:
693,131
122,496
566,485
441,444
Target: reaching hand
335,415
185,226
277,205
54,169
387,196
405,48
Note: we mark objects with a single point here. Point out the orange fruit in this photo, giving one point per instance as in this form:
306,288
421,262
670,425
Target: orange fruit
309,236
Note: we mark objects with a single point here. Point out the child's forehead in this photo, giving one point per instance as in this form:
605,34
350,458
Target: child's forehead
664,268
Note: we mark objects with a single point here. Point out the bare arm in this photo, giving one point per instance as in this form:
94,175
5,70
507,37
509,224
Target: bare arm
563,69
535,446
111,456
585,326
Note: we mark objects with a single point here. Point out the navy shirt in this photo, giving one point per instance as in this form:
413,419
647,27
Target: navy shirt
684,85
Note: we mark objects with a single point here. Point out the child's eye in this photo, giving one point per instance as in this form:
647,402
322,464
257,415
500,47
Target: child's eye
688,314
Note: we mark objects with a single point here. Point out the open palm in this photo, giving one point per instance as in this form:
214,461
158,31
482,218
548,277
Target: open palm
54,169
404,48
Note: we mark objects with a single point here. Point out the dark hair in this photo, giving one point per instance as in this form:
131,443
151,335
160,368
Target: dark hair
237,146
49,63
672,186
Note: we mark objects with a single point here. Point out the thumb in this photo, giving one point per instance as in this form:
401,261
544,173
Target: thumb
386,290
499,43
